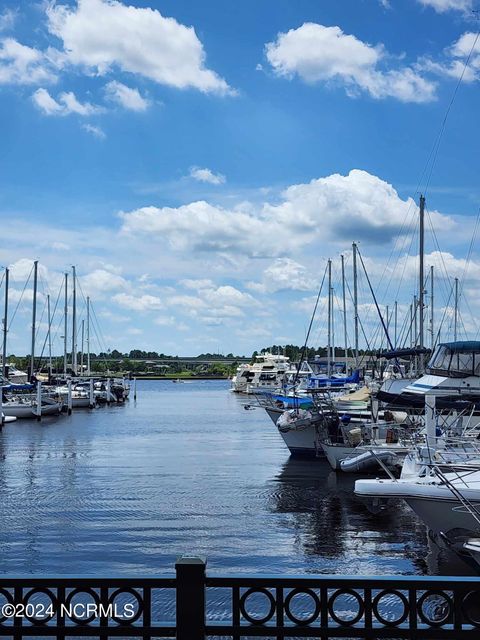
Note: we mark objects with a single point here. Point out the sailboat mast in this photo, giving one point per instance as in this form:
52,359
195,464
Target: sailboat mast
49,336
421,277
432,329
88,335
65,326
329,335
333,327
355,300
5,327
34,316
455,324
344,313
81,355
395,320
74,323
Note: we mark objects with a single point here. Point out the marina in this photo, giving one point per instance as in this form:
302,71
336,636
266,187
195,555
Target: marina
239,320
126,489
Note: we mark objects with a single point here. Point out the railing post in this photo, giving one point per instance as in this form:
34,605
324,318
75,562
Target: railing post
190,598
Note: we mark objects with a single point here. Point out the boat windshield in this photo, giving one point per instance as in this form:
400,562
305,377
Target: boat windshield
455,361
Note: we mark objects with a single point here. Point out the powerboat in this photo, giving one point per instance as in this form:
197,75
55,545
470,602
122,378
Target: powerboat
452,374
266,374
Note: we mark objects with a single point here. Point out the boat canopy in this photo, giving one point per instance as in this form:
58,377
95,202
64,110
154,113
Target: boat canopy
403,353
456,359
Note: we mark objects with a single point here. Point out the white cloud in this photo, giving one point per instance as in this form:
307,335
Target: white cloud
67,104
97,132
101,281
190,283
441,6
358,206
103,34
206,175
20,64
126,96
453,63
228,296
187,302
325,54
201,226
138,303
286,273
7,19
23,268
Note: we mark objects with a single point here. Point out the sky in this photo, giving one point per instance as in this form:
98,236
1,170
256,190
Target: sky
199,162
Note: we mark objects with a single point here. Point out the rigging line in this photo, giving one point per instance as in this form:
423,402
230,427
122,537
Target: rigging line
447,113
99,329
437,245
375,300
470,248
51,322
443,317
467,304
360,323
413,236
304,348
20,299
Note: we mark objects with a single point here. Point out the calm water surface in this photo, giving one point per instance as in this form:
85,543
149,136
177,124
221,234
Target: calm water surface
124,490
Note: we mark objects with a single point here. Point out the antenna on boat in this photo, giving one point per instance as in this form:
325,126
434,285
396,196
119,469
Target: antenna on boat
34,316
5,329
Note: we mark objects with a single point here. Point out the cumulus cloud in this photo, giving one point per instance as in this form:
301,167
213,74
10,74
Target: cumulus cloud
358,206
441,6
138,303
67,104
20,64
126,96
317,53
101,281
100,35
206,175
213,304
453,62
22,269
286,273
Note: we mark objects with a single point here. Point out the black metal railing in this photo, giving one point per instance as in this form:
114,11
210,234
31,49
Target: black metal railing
192,605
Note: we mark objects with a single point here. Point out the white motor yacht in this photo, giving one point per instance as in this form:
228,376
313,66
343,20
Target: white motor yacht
267,373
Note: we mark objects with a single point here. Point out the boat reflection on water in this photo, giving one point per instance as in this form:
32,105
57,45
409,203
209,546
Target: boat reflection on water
338,534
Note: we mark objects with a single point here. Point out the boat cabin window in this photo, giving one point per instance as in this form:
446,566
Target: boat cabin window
455,361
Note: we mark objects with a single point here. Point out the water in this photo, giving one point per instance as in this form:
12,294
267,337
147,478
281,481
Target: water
125,490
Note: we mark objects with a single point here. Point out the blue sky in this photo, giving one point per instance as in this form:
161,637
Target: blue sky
199,161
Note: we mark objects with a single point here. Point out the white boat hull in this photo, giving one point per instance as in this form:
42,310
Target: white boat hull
28,411
435,504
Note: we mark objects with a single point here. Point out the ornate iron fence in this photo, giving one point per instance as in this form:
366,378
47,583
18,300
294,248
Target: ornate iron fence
193,606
